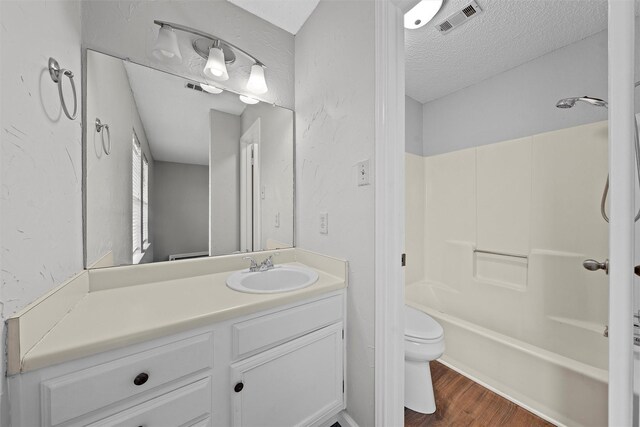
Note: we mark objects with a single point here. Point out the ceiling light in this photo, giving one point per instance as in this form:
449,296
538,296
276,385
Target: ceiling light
248,100
216,66
166,47
257,83
421,13
211,89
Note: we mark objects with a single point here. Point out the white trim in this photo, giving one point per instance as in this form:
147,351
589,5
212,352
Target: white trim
345,420
389,215
621,196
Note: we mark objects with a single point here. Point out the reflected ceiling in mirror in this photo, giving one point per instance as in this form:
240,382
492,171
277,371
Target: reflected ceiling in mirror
189,173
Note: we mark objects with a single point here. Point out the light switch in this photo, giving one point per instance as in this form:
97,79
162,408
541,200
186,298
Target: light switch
324,223
363,173
277,220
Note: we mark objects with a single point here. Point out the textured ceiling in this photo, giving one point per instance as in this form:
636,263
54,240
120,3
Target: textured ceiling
176,119
506,34
289,15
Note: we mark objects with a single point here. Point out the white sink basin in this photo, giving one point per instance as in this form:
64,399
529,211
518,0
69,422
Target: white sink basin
281,278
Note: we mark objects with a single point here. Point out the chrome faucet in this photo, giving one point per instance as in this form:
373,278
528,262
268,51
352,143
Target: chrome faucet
267,264
254,265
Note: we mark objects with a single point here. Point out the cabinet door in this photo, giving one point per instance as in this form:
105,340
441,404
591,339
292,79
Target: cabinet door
294,384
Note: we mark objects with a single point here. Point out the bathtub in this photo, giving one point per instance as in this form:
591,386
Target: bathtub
556,383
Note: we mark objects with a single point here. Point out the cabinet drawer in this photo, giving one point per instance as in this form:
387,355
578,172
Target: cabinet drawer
186,406
268,331
79,393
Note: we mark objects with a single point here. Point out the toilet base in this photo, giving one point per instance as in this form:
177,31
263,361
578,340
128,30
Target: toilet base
418,388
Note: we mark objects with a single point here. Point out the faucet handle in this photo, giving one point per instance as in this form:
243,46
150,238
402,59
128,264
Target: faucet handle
254,264
268,262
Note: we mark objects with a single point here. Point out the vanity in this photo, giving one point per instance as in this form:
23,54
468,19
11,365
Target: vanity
172,344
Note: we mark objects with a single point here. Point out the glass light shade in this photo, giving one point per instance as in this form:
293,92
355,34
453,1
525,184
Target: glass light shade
166,47
257,83
210,89
216,67
421,13
248,100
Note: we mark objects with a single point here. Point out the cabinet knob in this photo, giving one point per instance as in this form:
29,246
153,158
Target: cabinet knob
141,378
238,388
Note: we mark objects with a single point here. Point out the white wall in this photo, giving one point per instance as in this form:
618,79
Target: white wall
413,126
41,160
276,169
521,101
181,209
225,183
335,122
108,211
126,29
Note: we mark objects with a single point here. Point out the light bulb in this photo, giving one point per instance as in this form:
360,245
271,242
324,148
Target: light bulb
257,83
210,89
248,100
216,67
166,47
421,13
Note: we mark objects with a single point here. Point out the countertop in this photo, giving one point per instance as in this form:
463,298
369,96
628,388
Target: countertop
113,318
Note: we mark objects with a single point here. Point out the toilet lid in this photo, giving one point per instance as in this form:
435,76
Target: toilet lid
420,325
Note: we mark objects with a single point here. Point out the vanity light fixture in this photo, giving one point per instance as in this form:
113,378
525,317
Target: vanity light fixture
421,13
248,100
216,67
218,53
257,83
166,47
211,89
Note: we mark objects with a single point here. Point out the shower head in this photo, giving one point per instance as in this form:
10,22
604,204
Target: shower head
570,102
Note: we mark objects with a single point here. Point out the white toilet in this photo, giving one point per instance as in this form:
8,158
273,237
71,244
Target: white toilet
423,342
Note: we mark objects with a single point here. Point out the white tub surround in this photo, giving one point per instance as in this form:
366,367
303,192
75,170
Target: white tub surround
505,229
106,309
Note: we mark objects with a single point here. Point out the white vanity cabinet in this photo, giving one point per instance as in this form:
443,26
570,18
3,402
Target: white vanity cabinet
279,367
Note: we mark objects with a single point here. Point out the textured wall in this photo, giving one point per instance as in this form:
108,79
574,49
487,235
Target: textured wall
335,130
181,205
109,191
276,169
41,160
126,29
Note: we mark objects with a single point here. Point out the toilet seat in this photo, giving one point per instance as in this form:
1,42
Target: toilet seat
420,327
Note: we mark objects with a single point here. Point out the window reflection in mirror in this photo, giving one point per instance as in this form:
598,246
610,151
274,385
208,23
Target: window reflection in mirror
189,174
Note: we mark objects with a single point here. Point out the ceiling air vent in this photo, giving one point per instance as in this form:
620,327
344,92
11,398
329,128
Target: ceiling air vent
459,18
194,87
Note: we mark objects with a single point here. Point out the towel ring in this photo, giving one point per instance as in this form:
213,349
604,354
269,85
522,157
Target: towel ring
99,127
56,74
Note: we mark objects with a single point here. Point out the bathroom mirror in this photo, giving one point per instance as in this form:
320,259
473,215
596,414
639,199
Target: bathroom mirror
173,171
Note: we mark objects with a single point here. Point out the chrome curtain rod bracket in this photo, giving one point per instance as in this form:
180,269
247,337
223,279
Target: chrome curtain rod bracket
480,251
208,36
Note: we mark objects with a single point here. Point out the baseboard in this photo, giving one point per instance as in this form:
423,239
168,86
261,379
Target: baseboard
345,420
500,393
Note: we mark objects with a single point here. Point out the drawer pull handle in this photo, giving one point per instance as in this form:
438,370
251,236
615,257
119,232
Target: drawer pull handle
238,388
141,378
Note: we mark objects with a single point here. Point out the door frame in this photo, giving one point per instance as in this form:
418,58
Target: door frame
389,214
250,200
621,226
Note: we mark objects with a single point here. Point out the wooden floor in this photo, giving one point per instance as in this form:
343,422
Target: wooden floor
462,402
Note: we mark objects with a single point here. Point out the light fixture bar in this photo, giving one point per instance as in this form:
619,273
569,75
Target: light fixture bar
208,36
